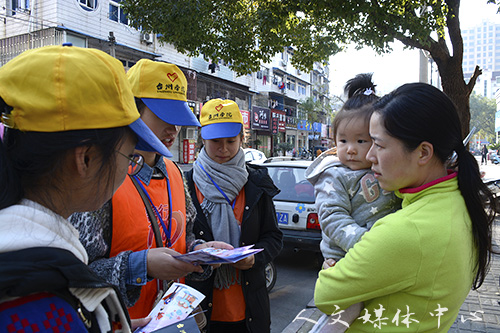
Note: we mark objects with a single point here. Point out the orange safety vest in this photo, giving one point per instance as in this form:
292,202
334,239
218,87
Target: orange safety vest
132,230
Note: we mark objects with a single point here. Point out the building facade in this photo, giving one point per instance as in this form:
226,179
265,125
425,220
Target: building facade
269,99
482,47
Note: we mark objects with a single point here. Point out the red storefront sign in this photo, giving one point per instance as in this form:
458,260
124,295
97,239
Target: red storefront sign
280,117
188,150
246,118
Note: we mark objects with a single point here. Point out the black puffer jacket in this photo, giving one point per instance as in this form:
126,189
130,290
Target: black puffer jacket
259,227
55,271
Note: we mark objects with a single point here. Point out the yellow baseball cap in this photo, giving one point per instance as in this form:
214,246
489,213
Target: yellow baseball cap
64,88
163,88
220,119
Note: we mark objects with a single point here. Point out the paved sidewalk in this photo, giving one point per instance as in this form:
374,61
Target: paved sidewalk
481,309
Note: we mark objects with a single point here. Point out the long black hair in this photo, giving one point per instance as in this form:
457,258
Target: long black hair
29,161
360,92
419,112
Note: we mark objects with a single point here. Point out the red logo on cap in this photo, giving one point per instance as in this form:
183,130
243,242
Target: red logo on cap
172,77
218,107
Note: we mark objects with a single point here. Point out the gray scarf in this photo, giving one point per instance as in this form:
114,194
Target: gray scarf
230,177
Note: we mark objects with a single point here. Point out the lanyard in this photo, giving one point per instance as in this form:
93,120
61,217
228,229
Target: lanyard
217,186
165,229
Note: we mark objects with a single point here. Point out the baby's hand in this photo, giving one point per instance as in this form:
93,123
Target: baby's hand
328,263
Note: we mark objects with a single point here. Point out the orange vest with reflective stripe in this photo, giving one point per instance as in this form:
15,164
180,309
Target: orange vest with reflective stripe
132,230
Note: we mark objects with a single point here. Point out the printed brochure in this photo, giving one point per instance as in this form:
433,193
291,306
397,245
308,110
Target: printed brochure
177,304
211,255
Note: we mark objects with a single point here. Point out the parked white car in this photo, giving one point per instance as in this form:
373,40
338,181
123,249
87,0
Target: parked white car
295,209
254,156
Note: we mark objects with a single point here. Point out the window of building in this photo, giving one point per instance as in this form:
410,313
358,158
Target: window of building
116,12
127,64
88,5
15,6
301,88
284,56
290,84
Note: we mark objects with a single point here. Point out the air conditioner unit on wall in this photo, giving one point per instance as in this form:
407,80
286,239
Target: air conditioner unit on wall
147,37
191,133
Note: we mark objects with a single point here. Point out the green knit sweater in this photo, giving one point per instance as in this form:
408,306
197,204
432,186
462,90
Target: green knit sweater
418,261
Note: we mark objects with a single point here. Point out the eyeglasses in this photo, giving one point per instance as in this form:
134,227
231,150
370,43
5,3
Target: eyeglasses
136,162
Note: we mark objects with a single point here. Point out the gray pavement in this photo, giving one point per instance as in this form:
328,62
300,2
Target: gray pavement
481,309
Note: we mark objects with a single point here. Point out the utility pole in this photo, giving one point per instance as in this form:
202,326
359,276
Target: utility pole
112,42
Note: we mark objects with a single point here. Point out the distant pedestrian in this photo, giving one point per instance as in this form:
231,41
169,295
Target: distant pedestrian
484,155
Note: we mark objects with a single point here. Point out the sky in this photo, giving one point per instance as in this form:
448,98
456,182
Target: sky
401,66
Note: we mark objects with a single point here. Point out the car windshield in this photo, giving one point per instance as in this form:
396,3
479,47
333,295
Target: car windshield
292,183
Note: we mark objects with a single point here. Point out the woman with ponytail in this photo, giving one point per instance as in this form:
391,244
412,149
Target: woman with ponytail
416,266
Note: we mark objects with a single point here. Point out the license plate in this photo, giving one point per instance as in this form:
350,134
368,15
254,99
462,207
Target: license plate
282,217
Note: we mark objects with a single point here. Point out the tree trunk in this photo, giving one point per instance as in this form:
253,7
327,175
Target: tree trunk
457,90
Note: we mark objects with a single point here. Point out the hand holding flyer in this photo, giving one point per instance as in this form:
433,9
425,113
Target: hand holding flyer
176,304
212,255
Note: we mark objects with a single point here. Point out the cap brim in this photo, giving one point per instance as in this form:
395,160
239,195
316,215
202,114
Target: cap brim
172,111
220,130
147,139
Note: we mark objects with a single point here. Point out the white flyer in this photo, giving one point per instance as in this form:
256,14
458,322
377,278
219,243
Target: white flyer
177,304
